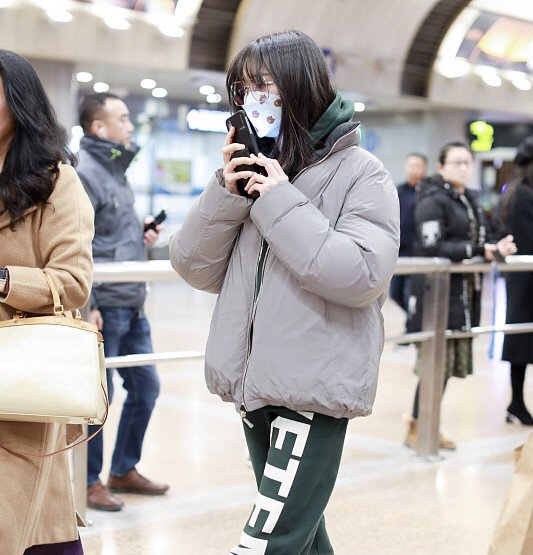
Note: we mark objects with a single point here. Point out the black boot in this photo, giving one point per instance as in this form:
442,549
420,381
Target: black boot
517,409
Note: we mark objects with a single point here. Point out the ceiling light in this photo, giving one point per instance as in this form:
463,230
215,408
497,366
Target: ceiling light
213,98
208,120
207,89
359,106
491,78
159,92
84,76
100,87
61,15
522,84
520,80
148,83
453,68
170,28
116,22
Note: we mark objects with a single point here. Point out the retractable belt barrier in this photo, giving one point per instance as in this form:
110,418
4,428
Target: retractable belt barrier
432,338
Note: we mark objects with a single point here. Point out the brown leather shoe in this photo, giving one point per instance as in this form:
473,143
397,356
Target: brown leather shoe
134,482
101,499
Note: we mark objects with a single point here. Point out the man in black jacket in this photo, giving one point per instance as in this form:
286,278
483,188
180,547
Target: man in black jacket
117,308
415,170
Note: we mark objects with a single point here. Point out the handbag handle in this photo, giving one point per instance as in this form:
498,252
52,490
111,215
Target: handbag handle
69,447
58,307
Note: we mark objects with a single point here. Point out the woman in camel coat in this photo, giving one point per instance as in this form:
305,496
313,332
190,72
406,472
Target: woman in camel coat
46,221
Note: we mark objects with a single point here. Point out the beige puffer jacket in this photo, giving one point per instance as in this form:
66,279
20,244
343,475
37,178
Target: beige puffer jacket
313,337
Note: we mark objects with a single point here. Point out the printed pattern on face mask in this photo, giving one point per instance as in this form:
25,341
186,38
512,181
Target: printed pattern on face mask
264,114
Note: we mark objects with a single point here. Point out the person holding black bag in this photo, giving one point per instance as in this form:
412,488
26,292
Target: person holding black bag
46,223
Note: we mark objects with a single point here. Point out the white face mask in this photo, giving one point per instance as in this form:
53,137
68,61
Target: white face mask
265,114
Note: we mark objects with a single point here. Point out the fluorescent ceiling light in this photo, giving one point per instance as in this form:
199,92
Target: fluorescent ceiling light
148,84
61,15
159,92
171,28
489,76
208,120
207,89
359,106
84,76
453,68
520,80
116,22
100,87
213,98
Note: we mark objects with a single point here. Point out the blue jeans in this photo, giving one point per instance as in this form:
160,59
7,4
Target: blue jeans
400,290
126,331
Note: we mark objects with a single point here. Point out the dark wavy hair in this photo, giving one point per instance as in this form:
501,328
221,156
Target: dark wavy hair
39,143
299,70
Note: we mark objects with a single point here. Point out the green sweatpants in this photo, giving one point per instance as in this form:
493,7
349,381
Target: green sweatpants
295,457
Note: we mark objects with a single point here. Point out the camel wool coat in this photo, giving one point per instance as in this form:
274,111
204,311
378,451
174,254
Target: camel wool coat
36,503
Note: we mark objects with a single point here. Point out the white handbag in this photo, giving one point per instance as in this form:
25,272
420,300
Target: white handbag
52,368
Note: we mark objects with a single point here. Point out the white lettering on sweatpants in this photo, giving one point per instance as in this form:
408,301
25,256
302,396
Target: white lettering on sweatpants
271,506
250,546
284,477
300,429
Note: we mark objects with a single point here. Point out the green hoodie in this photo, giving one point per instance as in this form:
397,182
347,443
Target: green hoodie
339,111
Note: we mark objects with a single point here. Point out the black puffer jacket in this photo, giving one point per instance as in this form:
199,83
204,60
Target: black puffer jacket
449,225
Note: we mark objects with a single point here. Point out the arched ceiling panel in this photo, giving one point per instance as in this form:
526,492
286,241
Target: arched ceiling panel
425,45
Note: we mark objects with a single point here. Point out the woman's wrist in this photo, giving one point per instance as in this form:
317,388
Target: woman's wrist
4,281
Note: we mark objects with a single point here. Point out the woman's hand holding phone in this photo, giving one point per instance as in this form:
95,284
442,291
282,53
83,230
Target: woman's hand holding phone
263,183
229,165
257,182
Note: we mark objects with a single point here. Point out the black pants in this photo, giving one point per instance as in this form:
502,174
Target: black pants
67,548
295,457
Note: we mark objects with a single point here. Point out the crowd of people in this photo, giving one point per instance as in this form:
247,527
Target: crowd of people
312,242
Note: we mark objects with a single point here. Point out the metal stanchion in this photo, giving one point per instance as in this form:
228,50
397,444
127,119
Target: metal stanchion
433,359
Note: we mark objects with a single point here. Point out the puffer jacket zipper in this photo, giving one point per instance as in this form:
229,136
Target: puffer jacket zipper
263,253
260,269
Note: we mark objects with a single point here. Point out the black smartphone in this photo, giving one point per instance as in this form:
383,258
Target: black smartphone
244,134
161,217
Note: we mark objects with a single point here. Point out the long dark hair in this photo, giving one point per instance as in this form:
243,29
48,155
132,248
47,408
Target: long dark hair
39,144
299,71
522,175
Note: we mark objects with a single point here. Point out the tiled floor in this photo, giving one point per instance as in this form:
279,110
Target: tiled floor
386,502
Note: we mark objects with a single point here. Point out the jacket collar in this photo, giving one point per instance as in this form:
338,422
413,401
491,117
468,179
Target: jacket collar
343,136
113,155
435,184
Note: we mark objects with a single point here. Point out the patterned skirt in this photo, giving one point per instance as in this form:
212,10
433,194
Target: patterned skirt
459,358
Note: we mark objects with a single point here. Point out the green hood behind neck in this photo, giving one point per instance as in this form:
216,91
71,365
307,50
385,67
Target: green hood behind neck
339,111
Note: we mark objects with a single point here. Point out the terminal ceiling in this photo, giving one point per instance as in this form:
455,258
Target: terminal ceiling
381,52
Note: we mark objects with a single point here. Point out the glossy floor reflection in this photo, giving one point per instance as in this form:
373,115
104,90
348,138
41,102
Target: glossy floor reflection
387,501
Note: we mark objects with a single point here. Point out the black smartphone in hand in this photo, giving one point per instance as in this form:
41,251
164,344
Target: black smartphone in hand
161,217
244,134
